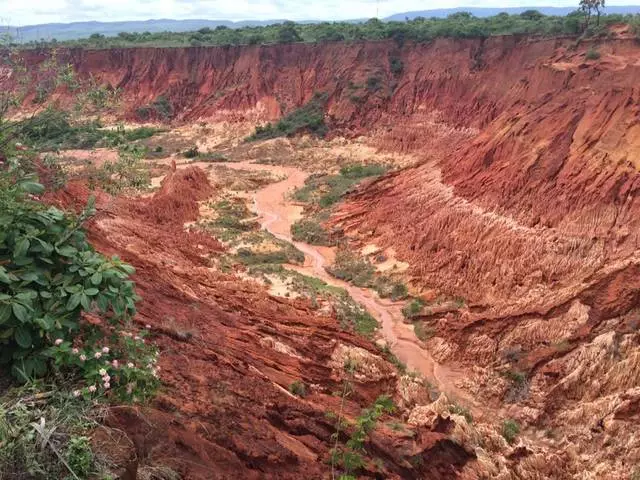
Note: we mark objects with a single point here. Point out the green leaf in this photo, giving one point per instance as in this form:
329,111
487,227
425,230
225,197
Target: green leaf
128,269
32,187
92,292
4,276
74,301
21,248
66,251
103,303
45,294
5,313
96,278
23,337
85,301
20,312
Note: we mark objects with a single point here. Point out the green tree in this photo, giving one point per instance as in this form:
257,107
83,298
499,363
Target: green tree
288,33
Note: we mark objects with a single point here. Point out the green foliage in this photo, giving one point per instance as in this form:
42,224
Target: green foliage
352,268
350,457
126,173
413,308
357,171
311,232
49,274
51,129
288,254
510,430
37,418
592,54
298,388
419,29
192,152
79,456
161,109
396,65
459,410
308,118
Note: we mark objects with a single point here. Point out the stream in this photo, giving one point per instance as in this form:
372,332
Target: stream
277,213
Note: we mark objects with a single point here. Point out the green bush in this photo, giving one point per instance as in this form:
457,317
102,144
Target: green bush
510,430
311,232
192,152
49,275
413,308
352,268
592,54
308,118
298,388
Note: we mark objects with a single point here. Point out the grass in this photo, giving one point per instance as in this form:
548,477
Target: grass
231,220
308,118
352,268
459,410
42,428
592,54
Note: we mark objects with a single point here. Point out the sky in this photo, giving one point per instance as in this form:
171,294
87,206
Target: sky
30,12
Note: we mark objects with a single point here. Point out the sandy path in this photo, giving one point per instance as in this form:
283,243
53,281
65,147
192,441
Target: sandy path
276,211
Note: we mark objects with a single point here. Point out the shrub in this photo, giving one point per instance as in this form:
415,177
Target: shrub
459,410
308,118
352,268
358,171
510,430
49,275
423,332
413,308
311,232
193,152
396,65
592,54
298,388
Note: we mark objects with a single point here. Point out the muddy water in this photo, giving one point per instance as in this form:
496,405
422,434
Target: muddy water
276,211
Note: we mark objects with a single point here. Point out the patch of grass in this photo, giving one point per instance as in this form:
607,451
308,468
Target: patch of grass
231,220
510,430
310,231
298,389
41,428
352,268
459,410
308,118
413,308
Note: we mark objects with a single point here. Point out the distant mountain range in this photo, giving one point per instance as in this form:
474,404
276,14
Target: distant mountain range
71,31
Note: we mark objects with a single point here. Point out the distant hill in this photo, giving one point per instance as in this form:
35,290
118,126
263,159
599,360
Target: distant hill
488,12
75,30
72,31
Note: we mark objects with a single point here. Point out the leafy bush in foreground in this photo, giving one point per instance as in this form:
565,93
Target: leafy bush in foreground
49,275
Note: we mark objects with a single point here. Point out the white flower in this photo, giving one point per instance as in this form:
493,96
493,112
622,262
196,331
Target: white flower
147,326
105,350
130,365
107,385
97,355
58,341
155,374
102,372
83,358
137,338
106,379
76,393
75,351
115,364
92,388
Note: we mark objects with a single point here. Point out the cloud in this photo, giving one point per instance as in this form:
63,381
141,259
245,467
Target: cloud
29,12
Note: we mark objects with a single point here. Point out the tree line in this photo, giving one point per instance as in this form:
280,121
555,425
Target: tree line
419,29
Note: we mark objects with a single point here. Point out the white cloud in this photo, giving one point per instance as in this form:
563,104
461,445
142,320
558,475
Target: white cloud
29,12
